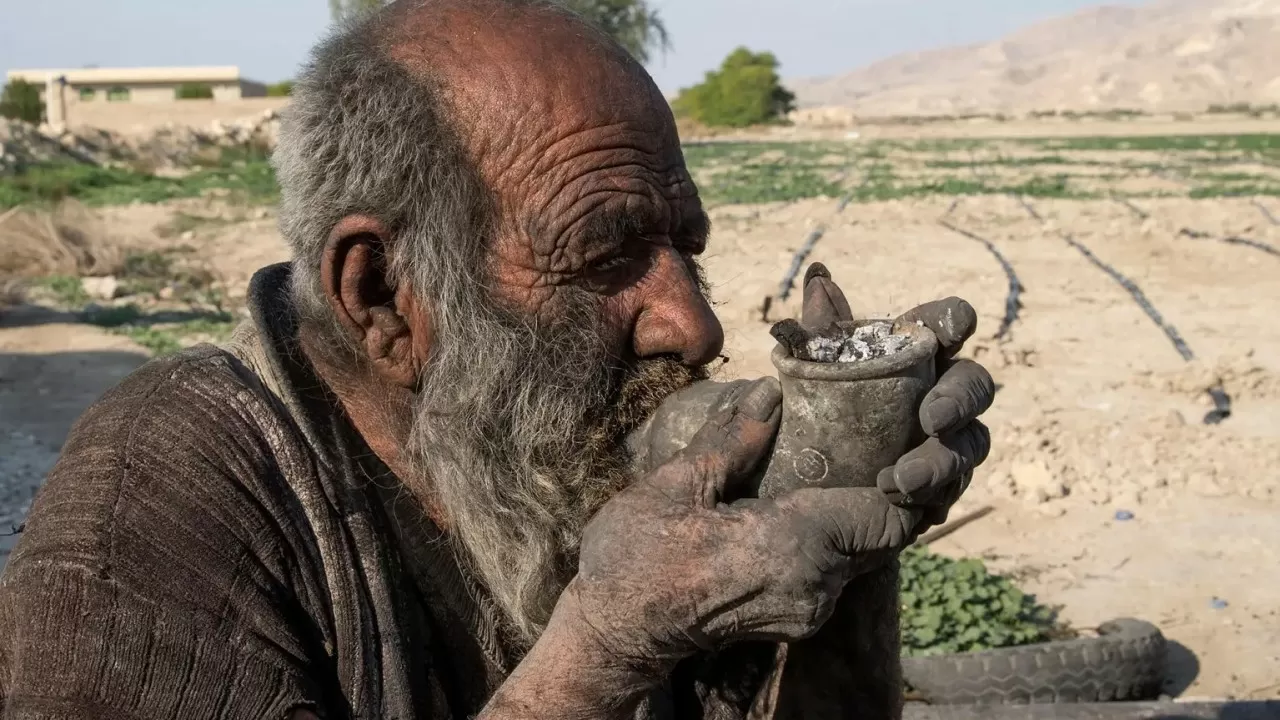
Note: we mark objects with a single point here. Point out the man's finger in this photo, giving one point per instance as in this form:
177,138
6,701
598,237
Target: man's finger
925,475
937,515
728,446
824,301
953,320
965,391
836,523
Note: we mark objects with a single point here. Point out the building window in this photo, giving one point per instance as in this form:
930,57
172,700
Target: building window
194,91
87,94
118,94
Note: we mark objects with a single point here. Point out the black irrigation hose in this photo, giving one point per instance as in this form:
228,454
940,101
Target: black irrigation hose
1221,401
1142,214
1266,212
1013,299
797,260
1255,244
1138,296
1231,240
789,280
1221,406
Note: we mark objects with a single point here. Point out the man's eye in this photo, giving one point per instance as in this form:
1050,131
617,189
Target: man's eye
615,272
612,264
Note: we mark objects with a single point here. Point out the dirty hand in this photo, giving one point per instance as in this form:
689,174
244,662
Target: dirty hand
668,569
933,475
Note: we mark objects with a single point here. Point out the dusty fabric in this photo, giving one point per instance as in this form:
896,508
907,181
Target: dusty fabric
217,542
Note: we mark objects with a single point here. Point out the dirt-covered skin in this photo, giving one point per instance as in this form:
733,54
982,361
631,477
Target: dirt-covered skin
668,568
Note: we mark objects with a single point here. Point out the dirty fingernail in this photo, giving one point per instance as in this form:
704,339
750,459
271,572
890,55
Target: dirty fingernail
816,269
914,475
942,414
761,399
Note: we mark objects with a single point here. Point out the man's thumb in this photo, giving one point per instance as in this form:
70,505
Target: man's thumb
824,302
731,442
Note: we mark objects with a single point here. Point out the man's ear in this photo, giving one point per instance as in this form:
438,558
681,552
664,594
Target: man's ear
389,324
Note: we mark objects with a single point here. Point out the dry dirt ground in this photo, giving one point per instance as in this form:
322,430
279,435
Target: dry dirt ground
1096,413
1112,497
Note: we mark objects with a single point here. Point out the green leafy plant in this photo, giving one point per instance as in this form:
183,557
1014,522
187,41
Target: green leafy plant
65,290
284,88
168,339
194,91
246,178
20,100
745,91
953,606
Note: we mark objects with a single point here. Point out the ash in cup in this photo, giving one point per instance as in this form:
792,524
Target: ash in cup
851,396
840,344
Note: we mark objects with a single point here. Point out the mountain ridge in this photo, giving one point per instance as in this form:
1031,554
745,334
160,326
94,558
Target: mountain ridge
1168,55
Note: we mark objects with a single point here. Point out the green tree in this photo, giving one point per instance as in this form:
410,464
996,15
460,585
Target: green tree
283,88
634,24
21,101
341,9
746,90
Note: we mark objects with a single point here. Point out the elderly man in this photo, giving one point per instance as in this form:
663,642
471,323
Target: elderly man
402,490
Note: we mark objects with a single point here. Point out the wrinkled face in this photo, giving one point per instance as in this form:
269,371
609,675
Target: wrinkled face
594,311
582,152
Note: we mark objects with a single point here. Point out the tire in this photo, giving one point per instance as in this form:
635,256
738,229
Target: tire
1234,710
1125,662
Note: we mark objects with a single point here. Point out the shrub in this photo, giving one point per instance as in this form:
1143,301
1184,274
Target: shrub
194,91
952,606
21,101
745,91
280,89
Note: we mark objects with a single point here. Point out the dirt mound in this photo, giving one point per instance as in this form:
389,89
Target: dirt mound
1168,55
67,240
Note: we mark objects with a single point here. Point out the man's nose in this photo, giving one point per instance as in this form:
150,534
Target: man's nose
675,318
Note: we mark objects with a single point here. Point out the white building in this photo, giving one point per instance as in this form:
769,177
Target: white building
68,87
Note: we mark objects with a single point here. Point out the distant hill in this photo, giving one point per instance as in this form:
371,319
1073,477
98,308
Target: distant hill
1166,56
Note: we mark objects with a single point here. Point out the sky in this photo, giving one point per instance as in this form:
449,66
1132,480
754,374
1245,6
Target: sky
268,39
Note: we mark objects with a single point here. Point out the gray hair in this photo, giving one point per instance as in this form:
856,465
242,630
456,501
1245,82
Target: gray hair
363,135
518,424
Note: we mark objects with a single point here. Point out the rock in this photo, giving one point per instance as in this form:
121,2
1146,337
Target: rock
166,293
1036,481
100,288
188,235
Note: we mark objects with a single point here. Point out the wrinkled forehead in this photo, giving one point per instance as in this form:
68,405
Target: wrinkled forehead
527,75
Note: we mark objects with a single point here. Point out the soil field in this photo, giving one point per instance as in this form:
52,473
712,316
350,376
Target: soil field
1112,495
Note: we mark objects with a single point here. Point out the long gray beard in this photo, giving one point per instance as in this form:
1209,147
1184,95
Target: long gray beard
518,437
